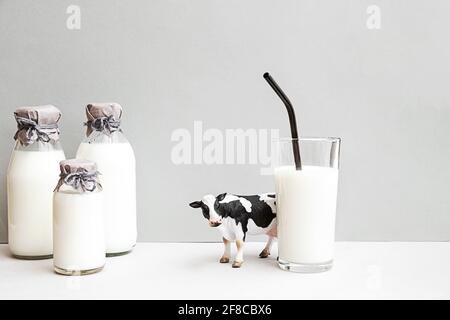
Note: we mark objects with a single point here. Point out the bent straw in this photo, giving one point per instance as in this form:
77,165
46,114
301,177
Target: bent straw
292,120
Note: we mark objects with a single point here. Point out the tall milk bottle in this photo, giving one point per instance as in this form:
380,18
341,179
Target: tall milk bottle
30,179
107,146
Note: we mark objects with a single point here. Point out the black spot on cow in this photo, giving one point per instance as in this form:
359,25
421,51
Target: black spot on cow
260,211
205,210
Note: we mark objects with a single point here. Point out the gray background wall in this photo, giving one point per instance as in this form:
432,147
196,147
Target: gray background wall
385,92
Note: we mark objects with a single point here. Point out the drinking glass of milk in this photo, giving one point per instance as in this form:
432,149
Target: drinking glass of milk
31,179
107,146
78,231
306,203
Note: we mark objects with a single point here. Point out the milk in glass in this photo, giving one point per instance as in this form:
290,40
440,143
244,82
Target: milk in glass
33,166
78,230
306,205
107,146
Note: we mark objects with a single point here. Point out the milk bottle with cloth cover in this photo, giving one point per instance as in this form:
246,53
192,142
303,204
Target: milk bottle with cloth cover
106,145
30,179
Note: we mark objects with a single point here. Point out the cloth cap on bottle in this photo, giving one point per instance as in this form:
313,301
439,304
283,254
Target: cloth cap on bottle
77,165
103,116
79,174
37,123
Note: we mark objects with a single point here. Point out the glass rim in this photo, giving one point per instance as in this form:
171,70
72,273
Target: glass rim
319,139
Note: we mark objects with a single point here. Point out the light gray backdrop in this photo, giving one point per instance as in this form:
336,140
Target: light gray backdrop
384,91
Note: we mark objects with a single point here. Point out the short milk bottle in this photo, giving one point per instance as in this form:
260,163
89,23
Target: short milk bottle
78,231
30,181
107,146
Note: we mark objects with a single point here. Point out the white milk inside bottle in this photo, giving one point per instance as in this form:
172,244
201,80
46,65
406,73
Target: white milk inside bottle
33,166
107,146
78,230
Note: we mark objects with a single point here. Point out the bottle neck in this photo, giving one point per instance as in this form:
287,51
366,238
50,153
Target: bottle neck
39,146
64,188
106,137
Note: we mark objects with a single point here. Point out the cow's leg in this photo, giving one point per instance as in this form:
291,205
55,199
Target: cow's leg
266,251
240,254
226,252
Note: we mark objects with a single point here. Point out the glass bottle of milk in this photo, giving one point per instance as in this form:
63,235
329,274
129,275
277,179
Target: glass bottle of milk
78,231
306,204
30,181
107,146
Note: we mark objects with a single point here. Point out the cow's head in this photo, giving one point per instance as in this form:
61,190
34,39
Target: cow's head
209,205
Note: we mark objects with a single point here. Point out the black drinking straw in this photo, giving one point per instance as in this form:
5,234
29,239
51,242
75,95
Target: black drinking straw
292,121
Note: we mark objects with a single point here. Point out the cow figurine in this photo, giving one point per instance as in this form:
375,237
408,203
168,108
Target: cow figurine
236,216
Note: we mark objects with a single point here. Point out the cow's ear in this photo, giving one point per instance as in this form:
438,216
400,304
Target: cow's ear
220,197
196,204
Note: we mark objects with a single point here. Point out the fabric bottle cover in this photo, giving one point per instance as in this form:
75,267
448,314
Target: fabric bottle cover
82,175
104,116
37,123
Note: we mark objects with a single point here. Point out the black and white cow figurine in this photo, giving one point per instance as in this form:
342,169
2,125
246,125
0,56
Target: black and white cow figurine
236,216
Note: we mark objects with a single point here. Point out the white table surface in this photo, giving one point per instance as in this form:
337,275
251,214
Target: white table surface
362,270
